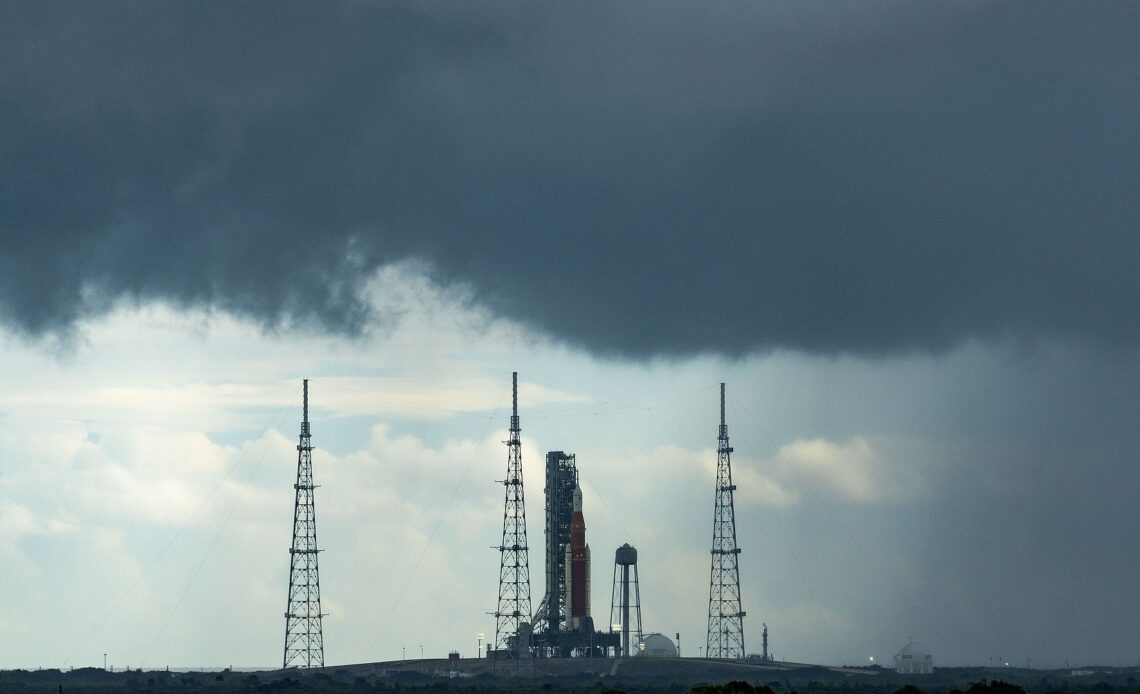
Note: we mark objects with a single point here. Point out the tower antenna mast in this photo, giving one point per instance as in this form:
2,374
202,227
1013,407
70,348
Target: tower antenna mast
304,640
514,558
726,619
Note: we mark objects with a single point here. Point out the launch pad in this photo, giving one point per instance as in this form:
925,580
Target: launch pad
562,625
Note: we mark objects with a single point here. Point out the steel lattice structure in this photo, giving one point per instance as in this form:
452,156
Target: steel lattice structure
726,618
514,558
561,480
304,640
625,559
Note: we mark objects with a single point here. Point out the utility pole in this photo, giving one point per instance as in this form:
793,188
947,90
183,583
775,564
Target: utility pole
725,638
304,640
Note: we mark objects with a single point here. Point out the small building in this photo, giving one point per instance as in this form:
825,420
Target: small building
657,646
913,659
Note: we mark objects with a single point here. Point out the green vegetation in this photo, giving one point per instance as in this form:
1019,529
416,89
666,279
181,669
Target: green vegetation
350,681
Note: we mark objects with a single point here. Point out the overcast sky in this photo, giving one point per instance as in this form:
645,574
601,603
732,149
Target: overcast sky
906,236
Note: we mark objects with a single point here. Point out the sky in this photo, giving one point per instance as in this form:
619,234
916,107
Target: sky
904,235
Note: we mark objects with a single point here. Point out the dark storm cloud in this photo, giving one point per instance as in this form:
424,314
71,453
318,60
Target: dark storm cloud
633,178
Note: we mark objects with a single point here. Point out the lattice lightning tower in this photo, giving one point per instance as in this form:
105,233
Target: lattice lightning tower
514,569
304,641
726,619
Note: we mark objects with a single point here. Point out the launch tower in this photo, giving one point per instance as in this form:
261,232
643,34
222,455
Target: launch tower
561,483
563,625
304,641
726,619
514,571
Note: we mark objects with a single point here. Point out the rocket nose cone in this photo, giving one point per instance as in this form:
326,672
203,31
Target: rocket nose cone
577,498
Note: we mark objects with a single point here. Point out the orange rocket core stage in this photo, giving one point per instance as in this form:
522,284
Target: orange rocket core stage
578,565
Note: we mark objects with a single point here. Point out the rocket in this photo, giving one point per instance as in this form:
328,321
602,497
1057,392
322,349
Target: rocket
577,567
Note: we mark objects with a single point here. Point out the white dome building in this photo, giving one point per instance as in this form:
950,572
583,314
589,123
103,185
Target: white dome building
913,659
657,646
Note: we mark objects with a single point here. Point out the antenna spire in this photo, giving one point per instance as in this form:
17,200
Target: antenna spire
723,426
514,402
305,410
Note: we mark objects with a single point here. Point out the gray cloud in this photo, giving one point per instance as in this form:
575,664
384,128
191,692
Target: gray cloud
634,179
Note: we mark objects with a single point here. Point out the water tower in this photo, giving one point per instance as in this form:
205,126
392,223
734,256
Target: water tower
625,563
